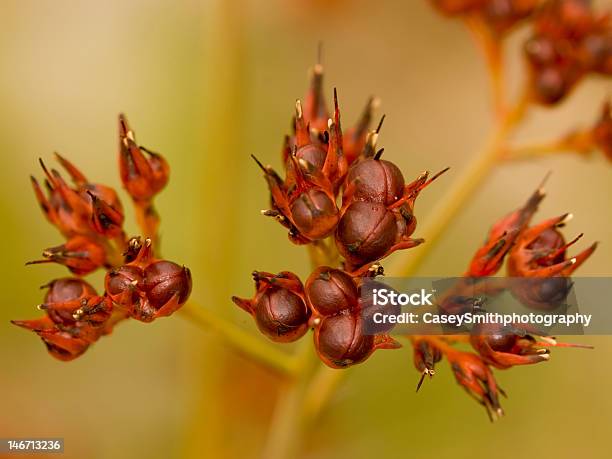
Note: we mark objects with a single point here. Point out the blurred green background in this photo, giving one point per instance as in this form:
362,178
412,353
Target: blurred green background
207,83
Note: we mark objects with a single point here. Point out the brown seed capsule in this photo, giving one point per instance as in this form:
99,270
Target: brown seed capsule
314,213
80,254
546,247
95,312
375,180
365,232
505,346
278,306
368,308
539,255
106,220
121,285
68,289
64,342
143,172
340,342
62,345
311,153
281,315
64,293
329,291
163,280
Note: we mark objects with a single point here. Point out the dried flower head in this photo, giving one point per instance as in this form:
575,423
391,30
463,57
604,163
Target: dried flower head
90,217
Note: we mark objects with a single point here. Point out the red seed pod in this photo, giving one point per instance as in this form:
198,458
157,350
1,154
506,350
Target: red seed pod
541,51
67,289
85,318
330,291
340,342
366,232
143,172
314,214
278,306
540,254
70,209
63,342
63,345
64,207
542,293
80,255
313,154
536,254
314,127
85,188
106,220
553,84
374,180
489,258
569,41
147,288
549,247
377,225
308,207
122,283
425,358
597,49
369,309
95,311
476,377
70,290
505,347
165,284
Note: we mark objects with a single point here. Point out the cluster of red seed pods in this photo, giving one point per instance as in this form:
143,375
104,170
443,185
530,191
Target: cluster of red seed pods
330,302
336,186
538,255
569,38
90,217
569,41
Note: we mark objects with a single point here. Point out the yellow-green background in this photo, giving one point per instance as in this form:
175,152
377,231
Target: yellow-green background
208,83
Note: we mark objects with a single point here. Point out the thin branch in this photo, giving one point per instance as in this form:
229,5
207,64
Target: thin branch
580,143
491,48
241,340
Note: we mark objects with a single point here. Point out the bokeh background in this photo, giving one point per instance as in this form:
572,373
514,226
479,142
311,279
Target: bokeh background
207,83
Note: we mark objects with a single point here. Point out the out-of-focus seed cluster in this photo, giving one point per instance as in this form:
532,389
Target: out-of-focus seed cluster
569,38
90,217
537,253
337,190
569,41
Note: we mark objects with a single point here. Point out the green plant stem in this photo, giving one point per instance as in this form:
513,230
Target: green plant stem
323,385
287,426
491,49
241,340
